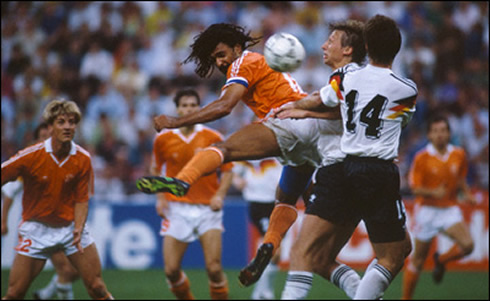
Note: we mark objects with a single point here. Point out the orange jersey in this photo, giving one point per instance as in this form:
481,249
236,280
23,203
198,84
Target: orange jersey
266,88
172,148
430,170
51,188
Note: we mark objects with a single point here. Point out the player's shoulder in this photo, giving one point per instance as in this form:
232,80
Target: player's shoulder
349,68
29,152
457,150
82,152
248,59
201,128
423,153
404,82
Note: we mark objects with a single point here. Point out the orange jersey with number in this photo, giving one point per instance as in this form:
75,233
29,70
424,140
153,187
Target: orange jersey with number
173,149
266,88
51,187
429,170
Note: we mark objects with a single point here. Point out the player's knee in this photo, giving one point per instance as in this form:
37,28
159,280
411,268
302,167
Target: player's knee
172,273
68,273
214,269
467,247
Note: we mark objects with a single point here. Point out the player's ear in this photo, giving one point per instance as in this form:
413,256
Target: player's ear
348,51
238,49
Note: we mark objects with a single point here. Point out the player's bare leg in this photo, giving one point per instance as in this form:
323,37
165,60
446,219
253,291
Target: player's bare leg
391,257
90,270
173,252
218,283
24,270
254,141
315,251
463,246
282,218
61,283
414,267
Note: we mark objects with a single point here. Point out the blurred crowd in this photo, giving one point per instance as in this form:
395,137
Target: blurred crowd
122,63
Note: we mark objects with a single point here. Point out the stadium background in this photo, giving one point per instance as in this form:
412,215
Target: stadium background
120,61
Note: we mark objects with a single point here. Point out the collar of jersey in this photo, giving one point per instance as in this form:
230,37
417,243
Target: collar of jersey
49,147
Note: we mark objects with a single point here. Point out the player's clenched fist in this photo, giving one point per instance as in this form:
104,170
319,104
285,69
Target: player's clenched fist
163,121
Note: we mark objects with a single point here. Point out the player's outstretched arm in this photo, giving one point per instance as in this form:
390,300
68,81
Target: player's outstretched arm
215,110
309,107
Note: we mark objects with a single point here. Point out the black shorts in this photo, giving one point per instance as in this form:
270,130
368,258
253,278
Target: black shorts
374,189
361,189
328,200
259,214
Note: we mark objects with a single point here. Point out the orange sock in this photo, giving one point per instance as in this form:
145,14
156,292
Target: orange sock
182,288
219,291
204,162
410,278
452,254
282,218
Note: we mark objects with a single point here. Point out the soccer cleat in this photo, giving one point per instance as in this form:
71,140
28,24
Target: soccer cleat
36,296
252,272
439,269
154,184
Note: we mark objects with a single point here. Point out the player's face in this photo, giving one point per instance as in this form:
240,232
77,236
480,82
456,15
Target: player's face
63,128
223,55
332,49
439,134
187,105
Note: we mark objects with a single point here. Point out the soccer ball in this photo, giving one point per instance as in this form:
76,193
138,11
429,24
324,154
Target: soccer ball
284,52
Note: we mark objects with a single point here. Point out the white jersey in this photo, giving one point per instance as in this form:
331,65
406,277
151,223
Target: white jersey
375,105
261,178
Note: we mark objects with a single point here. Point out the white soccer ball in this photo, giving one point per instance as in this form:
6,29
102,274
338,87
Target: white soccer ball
284,52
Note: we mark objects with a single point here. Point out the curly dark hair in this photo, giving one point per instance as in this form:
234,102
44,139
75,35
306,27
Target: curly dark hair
353,37
383,39
205,43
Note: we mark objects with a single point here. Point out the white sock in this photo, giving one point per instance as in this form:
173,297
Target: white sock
374,283
49,290
298,285
371,264
264,288
64,291
345,278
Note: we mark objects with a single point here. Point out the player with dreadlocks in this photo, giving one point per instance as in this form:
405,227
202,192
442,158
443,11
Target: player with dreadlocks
294,141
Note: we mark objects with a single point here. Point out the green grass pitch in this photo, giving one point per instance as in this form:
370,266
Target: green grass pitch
150,284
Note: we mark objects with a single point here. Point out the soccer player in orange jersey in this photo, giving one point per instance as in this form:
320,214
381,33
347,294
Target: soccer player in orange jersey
262,89
198,214
58,182
437,175
61,283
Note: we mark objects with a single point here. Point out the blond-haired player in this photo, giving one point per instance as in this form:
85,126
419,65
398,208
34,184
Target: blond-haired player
58,183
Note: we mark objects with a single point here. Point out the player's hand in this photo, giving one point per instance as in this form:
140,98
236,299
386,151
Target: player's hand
293,113
164,122
470,199
279,110
5,229
77,239
216,203
439,192
161,205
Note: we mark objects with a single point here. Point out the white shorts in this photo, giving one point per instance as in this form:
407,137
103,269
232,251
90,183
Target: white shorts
309,140
40,241
187,222
429,220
